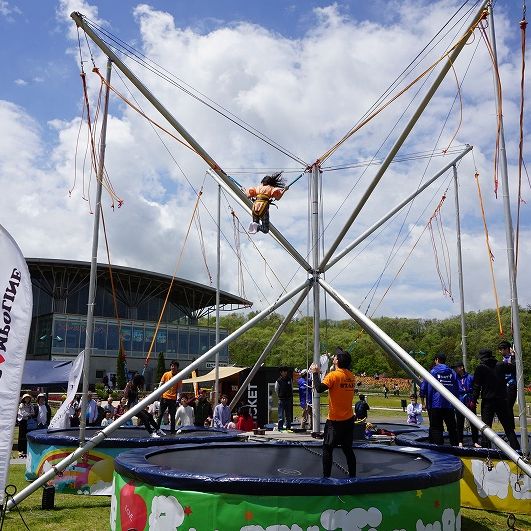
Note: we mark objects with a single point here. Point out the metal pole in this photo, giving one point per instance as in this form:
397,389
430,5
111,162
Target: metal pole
515,310
94,265
460,271
402,137
78,19
392,212
314,183
382,338
268,348
100,436
218,272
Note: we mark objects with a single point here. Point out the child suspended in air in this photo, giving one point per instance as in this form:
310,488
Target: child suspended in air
271,187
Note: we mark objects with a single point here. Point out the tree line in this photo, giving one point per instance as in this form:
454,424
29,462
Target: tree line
423,338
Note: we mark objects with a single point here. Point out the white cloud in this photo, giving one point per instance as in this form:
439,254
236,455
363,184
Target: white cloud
305,93
21,82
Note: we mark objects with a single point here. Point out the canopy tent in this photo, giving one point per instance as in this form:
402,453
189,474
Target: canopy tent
224,372
45,372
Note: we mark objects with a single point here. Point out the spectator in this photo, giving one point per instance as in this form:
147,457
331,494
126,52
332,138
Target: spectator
185,413
109,406
508,368
222,413
385,390
489,384
108,418
361,408
305,397
75,418
232,424
101,412
245,420
26,412
121,408
339,427
131,392
466,389
44,412
202,409
169,398
414,411
92,410
439,409
396,390
284,390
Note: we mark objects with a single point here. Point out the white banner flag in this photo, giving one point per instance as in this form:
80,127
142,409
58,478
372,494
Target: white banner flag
61,418
16,303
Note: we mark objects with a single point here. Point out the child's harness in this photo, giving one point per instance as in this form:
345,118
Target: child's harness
260,204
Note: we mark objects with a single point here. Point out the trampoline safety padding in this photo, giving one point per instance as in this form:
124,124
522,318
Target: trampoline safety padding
490,481
92,474
278,486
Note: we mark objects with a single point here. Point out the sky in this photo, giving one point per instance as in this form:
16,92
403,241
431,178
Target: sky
302,74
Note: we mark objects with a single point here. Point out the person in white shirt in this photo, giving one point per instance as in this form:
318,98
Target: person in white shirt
108,419
185,413
92,410
414,411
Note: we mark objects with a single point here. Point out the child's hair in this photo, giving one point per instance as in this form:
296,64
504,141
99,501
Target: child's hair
274,180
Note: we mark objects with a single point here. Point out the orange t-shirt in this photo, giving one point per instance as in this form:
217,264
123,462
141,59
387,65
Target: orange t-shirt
171,393
341,385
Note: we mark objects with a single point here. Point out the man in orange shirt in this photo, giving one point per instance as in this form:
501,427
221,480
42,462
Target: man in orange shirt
339,427
168,399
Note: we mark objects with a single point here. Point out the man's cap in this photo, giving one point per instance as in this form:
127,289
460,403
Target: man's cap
485,354
26,395
362,397
303,372
504,344
458,364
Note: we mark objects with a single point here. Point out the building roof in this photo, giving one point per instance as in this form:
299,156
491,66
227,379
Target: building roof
132,286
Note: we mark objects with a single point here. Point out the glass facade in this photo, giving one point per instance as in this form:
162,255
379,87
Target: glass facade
176,341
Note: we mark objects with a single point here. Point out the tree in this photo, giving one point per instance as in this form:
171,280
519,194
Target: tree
121,378
161,366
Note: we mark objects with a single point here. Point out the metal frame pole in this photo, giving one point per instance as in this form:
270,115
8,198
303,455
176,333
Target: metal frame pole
460,272
314,187
78,19
515,309
218,273
383,339
268,348
94,264
100,436
392,212
402,137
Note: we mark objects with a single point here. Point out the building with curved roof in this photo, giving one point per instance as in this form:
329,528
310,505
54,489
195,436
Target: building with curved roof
128,305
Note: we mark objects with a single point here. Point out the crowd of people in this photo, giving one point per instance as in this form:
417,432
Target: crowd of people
176,409
493,381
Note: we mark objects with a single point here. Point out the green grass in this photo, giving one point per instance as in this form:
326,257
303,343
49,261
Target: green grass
79,513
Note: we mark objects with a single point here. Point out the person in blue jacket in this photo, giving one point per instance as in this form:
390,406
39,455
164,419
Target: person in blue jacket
465,384
439,409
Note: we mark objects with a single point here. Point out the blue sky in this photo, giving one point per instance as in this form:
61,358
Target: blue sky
301,72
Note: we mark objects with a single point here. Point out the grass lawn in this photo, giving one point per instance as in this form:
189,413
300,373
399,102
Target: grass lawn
79,513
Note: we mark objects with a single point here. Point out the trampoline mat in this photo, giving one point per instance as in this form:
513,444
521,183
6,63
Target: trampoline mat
284,461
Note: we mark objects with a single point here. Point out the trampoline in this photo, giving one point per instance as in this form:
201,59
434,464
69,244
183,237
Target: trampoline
490,481
93,474
251,486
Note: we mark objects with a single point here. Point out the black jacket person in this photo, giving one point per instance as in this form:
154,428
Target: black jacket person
489,384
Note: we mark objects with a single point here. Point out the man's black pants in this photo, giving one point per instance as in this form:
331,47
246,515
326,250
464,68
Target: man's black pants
171,406
498,407
338,433
438,415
